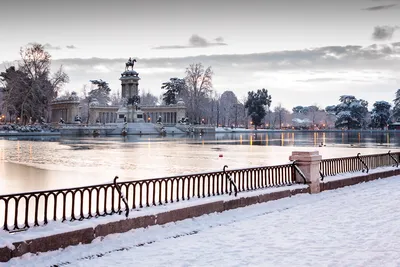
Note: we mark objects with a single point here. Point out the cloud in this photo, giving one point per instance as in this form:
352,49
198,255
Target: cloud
51,47
195,41
47,46
71,47
384,32
378,8
342,57
321,80
365,71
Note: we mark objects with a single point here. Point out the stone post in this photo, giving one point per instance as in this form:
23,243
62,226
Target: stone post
308,162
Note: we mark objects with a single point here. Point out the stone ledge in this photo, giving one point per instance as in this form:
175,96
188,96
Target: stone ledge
124,226
53,242
87,235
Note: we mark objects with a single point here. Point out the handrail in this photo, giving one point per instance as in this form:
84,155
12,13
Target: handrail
365,165
31,209
297,169
122,196
230,179
395,160
333,166
145,180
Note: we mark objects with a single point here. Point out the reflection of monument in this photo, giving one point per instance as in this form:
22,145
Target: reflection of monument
130,110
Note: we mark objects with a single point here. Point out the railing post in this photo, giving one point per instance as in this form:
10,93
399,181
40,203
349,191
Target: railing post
308,162
229,178
121,196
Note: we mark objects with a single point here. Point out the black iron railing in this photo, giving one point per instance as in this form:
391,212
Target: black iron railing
25,210
330,167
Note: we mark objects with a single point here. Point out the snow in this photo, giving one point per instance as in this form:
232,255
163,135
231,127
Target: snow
53,228
352,226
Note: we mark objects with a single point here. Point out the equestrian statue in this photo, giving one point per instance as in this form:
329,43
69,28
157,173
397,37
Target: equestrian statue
130,63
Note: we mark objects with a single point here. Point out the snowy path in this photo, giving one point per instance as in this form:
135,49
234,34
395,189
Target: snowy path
353,226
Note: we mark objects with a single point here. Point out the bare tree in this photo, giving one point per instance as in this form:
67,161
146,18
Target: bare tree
116,99
85,102
280,114
31,88
148,99
199,84
229,112
245,120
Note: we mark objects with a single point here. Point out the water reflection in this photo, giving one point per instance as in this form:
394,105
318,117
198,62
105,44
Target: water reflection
47,162
364,139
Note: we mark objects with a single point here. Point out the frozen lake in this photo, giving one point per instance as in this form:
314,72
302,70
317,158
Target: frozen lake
28,164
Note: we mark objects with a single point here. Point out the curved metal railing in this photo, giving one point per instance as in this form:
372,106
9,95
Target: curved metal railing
24,210
331,167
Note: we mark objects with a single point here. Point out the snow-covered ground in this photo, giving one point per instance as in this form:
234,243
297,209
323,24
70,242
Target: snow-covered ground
352,226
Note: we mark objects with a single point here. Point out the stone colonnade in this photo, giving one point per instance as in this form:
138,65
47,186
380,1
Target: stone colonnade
67,110
103,114
107,117
166,117
169,114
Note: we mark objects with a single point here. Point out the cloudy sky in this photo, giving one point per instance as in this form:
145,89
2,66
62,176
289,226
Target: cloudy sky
303,52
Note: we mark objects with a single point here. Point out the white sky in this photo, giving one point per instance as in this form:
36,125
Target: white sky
123,29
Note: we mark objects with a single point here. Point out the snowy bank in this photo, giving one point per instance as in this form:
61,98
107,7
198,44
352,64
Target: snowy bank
58,235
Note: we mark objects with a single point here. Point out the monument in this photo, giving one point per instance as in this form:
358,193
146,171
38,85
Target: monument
130,111
129,117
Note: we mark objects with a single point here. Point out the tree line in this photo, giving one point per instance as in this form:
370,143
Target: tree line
29,87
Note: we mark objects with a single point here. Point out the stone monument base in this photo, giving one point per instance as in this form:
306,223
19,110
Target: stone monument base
129,114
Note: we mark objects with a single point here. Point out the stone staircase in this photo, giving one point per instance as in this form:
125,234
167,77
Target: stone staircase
136,128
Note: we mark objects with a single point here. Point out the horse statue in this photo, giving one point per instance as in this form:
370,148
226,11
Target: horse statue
130,63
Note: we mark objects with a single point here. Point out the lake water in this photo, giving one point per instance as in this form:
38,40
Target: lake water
28,164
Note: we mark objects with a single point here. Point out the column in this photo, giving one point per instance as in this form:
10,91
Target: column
308,162
123,93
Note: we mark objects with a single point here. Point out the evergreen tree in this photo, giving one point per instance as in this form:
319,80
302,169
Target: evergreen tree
174,87
380,114
396,108
101,93
256,104
351,112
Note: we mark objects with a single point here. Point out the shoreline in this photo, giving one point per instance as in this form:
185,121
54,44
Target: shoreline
28,134
299,131
218,131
